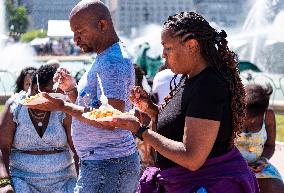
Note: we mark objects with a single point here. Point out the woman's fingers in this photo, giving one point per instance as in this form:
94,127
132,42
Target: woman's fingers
139,97
65,79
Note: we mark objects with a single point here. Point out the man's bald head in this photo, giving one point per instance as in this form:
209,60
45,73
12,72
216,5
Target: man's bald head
91,23
91,9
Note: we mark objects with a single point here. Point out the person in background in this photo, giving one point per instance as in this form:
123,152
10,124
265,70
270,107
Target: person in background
109,161
53,62
195,128
257,142
140,78
36,145
24,80
22,84
145,151
162,84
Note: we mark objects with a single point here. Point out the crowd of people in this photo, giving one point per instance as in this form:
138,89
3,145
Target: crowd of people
204,132
60,47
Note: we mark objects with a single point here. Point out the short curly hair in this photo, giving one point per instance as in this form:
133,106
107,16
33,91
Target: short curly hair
45,75
257,98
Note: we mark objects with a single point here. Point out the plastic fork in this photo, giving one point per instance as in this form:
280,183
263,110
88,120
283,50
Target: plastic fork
37,83
103,97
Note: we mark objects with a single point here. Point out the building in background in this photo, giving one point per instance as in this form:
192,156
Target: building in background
41,11
132,14
224,13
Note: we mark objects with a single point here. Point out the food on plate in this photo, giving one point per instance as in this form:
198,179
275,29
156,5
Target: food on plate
101,113
107,114
31,98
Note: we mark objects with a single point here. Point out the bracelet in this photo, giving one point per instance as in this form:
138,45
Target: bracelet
4,182
68,92
140,131
264,159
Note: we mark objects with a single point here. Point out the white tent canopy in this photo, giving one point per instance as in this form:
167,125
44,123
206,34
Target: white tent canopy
39,41
59,28
3,37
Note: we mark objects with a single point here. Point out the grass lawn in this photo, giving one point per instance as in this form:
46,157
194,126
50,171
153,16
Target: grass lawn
279,126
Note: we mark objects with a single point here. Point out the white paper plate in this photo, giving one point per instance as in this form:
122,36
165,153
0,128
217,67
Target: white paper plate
41,100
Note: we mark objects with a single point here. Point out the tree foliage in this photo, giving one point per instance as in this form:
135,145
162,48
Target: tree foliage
29,36
16,17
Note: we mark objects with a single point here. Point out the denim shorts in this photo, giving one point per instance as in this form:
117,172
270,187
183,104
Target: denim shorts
116,175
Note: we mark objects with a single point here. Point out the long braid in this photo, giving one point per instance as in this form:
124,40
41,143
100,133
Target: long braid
173,89
214,48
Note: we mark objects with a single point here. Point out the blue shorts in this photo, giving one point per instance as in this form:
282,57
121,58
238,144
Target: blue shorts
112,175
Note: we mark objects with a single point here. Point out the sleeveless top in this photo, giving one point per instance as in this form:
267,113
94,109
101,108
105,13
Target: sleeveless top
251,144
26,137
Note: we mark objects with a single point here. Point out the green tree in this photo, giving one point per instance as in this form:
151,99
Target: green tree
29,36
17,18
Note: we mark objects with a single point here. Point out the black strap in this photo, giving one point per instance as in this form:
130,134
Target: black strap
140,131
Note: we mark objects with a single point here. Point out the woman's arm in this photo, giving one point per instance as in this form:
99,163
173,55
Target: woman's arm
3,170
270,126
67,125
198,140
7,130
3,176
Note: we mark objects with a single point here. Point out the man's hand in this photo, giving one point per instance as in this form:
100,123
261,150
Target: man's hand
66,81
53,104
129,124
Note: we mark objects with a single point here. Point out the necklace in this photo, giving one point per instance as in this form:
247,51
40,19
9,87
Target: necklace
39,117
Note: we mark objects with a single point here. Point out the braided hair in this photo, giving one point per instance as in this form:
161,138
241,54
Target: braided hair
214,49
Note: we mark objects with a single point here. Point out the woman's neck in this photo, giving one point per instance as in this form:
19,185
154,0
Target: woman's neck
255,124
200,65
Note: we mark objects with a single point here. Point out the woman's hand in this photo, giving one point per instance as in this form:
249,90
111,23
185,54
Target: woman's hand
53,104
66,81
129,124
7,189
258,166
141,99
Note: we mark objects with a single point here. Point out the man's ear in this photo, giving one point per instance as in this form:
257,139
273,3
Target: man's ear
102,25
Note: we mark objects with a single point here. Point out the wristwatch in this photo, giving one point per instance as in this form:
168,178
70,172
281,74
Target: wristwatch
140,131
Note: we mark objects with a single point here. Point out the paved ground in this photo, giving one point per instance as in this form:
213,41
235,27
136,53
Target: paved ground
278,158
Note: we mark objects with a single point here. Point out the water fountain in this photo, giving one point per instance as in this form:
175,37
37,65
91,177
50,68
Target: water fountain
14,57
145,47
261,42
260,32
2,23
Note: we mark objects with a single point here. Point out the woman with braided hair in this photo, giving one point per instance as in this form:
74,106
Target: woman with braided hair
195,128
